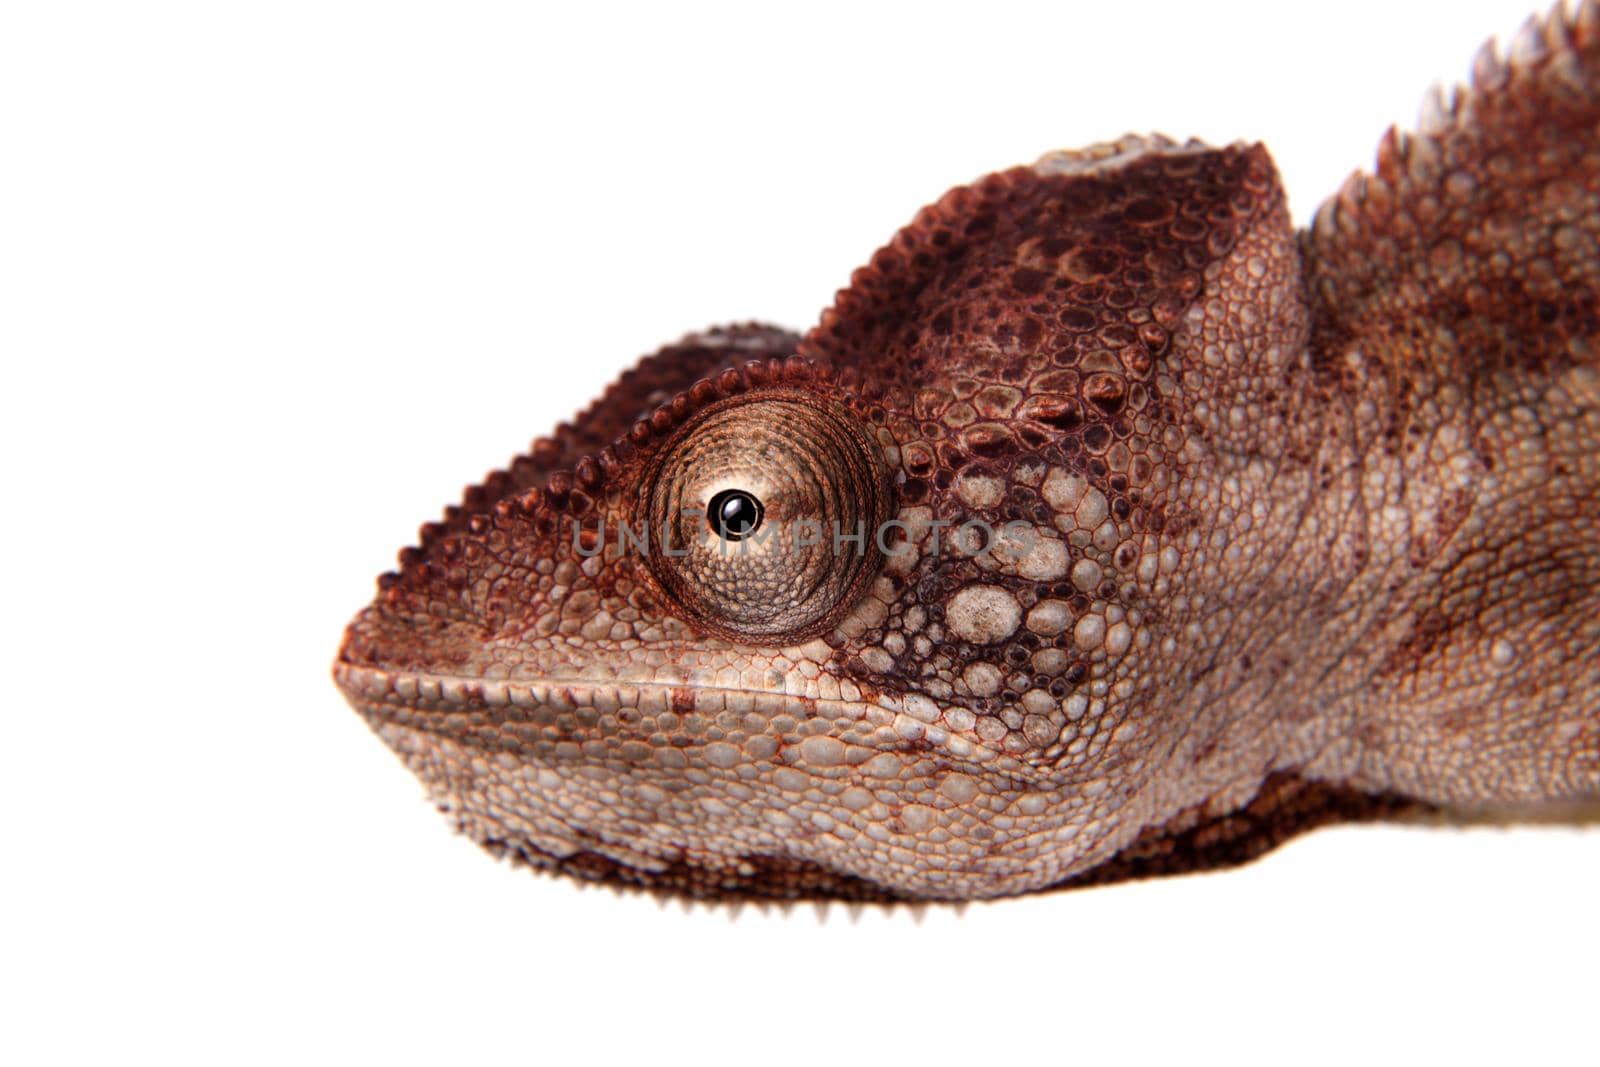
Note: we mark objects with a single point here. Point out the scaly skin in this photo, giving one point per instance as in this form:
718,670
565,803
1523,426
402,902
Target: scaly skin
1305,526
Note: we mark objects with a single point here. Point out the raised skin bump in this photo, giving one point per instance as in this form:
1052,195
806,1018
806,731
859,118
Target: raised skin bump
1290,528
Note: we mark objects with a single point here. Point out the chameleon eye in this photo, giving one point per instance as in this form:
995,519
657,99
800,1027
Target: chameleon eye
733,513
766,508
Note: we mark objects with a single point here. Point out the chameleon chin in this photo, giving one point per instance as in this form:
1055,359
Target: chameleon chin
1294,527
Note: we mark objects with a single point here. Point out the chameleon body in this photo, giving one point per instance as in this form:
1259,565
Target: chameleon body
1266,528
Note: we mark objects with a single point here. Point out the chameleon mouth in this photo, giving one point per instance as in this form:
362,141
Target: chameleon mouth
434,693
556,713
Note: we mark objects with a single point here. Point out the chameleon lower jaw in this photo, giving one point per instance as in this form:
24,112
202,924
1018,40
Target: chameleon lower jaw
558,774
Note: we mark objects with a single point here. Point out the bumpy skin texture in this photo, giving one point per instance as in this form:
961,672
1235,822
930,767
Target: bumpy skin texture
1304,526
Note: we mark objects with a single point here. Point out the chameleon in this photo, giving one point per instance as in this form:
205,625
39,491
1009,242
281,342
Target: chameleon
1107,525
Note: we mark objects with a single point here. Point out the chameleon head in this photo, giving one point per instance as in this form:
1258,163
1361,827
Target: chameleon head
1104,525
924,605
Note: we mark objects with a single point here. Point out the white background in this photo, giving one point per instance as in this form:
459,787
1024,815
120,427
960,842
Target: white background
276,280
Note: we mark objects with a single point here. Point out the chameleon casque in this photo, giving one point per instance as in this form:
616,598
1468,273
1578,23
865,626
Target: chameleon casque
1290,527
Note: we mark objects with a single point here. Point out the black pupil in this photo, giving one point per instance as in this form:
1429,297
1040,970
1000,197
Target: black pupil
733,513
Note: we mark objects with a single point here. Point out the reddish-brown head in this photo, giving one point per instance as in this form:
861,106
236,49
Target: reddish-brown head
921,605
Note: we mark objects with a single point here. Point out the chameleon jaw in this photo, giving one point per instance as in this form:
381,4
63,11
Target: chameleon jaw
816,797
398,695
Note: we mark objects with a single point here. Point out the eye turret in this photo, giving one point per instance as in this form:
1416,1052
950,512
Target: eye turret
769,507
